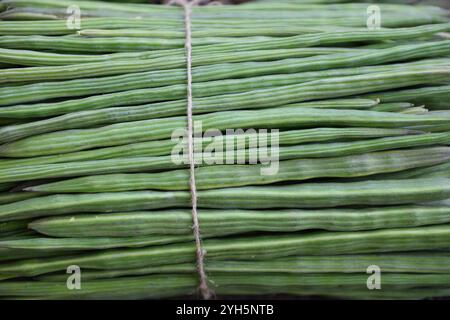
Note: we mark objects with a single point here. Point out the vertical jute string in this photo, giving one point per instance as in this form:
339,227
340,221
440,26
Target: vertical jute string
204,289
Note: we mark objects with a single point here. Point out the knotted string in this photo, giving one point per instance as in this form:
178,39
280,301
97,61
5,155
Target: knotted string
204,289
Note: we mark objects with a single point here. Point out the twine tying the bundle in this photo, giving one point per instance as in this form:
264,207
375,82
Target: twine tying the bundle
187,5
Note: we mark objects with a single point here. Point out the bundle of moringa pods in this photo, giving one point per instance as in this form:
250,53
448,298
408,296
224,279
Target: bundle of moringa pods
321,133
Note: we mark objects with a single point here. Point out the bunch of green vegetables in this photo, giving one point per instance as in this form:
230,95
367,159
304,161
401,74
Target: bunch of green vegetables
88,109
